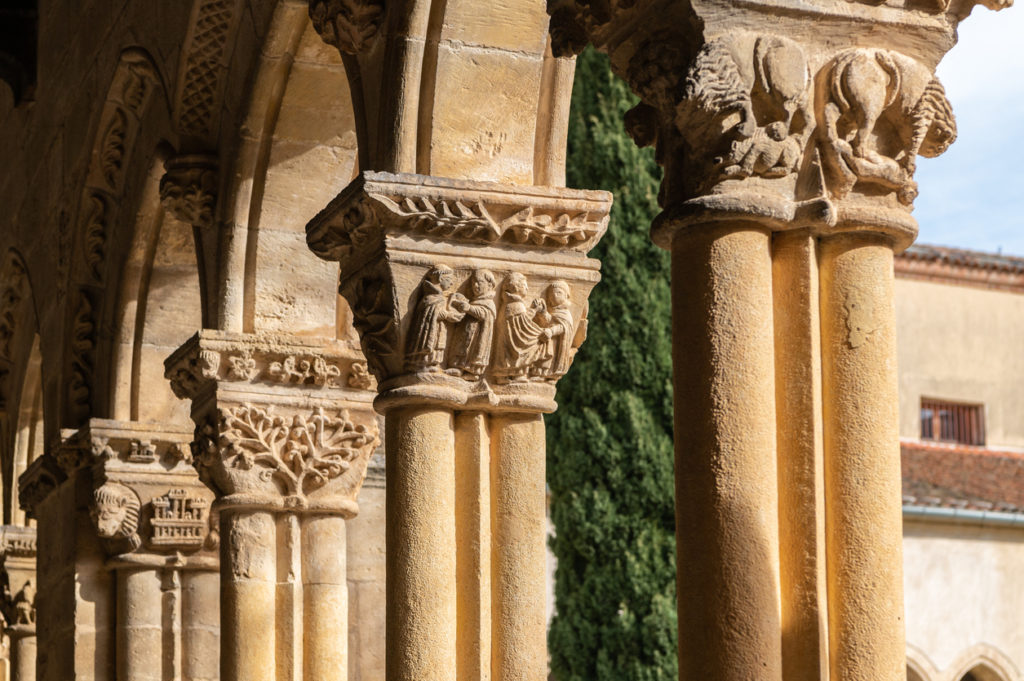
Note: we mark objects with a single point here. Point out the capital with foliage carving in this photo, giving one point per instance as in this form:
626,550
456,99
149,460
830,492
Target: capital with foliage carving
814,119
188,189
281,423
465,294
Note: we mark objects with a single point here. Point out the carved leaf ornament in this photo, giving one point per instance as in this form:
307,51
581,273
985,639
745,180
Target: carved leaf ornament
302,453
457,220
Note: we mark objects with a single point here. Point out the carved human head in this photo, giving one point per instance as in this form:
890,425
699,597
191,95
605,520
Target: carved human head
483,283
114,511
558,293
516,284
443,276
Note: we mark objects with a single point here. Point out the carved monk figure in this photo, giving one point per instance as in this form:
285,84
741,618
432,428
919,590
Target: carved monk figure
521,342
556,318
472,344
428,334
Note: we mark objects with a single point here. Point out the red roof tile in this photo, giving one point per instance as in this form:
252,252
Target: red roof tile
962,477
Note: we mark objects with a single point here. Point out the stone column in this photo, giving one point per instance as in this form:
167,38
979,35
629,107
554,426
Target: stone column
18,545
788,145
152,517
124,522
471,300
284,441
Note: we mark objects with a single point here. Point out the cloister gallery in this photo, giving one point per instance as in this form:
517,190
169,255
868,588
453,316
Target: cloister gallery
254,249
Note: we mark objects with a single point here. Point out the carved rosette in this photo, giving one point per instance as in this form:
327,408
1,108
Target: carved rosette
188,189
815,123
247,362
281,423
467,294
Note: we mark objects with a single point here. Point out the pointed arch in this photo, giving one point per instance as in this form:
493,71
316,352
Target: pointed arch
127,118
21,381
158,308
984,662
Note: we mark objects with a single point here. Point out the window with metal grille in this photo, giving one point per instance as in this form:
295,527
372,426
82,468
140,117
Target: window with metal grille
952,422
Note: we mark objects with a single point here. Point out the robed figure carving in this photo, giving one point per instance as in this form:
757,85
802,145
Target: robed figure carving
521,343
556,318
428,335
471,346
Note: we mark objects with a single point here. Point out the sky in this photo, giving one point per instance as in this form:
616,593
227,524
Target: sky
972,196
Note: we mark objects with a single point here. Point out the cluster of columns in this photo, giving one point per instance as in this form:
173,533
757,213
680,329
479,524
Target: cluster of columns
283,440
127,537
467,336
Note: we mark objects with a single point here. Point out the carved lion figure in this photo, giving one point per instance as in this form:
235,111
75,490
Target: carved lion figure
115,513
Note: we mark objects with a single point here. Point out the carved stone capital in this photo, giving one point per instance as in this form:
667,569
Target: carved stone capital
188,189
349,25
39,480
145,500
286,458
465,294
281,423
814,122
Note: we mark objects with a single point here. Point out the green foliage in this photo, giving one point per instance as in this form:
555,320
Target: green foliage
610,442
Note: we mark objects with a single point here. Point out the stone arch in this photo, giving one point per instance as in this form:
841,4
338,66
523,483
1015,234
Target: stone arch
159,307
128,122
983,662
299,148
919,666
21,381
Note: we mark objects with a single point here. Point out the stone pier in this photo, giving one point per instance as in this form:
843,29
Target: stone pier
284,442
471,301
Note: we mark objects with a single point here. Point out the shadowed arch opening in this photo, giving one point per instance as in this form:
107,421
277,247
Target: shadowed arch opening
28,434
159,309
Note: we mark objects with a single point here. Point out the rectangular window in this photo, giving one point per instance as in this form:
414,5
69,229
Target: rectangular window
952,422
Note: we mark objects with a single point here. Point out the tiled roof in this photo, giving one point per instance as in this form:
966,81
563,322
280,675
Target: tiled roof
961,267
951,476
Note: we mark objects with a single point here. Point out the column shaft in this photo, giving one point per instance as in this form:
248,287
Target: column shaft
200,630
518,548
421,593
726,487
801,457
473,531
23,657
325,599
862,460
140,646
248,571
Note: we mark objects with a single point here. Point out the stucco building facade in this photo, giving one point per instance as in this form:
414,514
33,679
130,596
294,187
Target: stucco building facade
960,315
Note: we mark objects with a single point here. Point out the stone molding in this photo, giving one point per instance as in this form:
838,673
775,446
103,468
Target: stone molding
255,364
788,129
466,294
283,423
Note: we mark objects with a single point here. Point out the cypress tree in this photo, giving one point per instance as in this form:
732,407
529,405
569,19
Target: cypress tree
610,442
